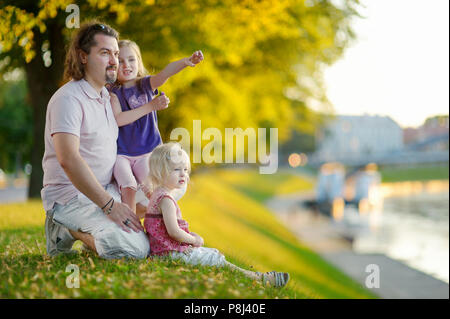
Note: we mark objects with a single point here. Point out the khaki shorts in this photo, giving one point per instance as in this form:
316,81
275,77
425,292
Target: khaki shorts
111,242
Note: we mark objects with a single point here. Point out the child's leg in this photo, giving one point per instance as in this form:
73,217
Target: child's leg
141,170
251,274
212,257
129,197
126,181
273,278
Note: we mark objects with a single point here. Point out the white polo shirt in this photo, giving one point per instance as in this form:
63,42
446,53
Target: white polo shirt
78,109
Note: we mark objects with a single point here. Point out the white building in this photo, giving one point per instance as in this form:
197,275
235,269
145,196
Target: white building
354,138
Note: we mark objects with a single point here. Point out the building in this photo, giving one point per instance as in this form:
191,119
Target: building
432,135
358,139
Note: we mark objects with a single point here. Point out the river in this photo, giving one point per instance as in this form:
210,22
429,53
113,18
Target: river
413,228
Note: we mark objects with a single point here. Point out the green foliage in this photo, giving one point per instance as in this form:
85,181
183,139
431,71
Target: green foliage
263,59
440,119
418,173
15,124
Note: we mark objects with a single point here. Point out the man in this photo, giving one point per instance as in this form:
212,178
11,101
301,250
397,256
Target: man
80,152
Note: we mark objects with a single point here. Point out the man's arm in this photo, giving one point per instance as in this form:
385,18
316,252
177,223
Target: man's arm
173,68
77,170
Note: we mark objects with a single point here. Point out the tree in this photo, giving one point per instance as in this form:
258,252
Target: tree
33,37
15,124
263,59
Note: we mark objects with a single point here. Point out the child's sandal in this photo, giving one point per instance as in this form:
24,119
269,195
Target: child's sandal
281,278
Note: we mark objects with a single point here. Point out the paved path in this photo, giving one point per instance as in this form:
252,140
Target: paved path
396,280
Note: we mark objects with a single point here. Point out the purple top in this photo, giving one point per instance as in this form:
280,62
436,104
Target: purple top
141,136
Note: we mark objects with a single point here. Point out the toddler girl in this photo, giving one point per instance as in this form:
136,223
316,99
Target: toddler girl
168,233
134,103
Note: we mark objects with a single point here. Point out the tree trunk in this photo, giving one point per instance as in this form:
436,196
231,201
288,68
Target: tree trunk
42,84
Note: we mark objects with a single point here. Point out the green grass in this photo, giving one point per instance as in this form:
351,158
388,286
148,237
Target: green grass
262,187
228,219
27,272
421,173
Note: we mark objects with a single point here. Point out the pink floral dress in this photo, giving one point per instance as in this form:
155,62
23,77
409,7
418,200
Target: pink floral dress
160,241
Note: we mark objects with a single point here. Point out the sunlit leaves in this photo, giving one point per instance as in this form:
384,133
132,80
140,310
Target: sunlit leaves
262,58
15,26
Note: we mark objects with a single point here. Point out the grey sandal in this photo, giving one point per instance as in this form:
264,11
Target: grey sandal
281,278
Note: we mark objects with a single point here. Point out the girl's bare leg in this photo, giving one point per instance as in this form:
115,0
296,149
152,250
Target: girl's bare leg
269,277
129,197
251,274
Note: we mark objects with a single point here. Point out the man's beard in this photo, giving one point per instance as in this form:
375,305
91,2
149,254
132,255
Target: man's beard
110,79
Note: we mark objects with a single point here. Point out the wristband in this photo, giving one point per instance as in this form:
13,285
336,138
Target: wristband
107,203
108,211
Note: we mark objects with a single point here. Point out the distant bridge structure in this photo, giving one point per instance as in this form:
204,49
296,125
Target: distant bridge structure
427,142
410,154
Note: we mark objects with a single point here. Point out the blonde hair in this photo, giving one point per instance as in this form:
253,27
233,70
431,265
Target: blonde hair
163,159
83,40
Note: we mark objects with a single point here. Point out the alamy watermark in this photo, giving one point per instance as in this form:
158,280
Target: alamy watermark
73,280
212,152
73,19
373,279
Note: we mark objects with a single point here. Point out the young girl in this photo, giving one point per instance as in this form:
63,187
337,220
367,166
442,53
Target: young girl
134,104
168,233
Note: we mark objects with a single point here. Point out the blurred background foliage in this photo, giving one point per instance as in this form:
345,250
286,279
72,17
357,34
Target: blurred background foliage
15,125
263,63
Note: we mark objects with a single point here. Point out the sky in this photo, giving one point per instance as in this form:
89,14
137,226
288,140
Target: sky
399,64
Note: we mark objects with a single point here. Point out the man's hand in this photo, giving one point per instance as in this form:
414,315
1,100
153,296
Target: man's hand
124,217
195,58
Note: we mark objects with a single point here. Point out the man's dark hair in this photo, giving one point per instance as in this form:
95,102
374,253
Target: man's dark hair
84,40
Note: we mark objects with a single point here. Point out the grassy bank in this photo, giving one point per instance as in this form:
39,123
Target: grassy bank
262,187
420,173
217,206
